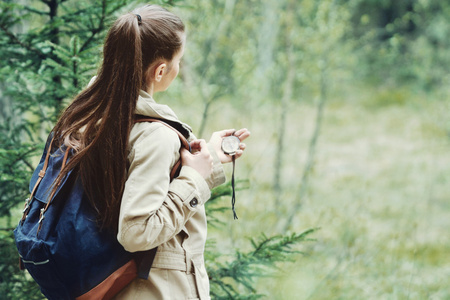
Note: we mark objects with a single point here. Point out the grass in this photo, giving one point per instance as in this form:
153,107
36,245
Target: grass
379,191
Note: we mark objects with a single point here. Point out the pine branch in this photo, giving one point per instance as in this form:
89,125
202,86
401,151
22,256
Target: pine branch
226,189
266,254
213,205
35,11
98,29
17,41
21,157
7,229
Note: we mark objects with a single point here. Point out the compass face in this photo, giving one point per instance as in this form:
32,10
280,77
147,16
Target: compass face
230,144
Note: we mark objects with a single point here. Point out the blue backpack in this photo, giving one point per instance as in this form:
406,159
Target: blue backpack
60,244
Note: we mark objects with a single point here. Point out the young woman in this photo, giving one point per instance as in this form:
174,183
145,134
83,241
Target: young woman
125,167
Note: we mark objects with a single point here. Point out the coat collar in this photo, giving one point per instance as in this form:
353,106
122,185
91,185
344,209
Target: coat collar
147,106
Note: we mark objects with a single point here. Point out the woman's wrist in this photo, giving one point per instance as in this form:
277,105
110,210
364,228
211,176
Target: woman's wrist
218,174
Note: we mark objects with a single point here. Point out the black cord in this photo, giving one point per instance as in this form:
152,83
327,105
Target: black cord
233,197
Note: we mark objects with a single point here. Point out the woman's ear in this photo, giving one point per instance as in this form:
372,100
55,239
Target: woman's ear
160,69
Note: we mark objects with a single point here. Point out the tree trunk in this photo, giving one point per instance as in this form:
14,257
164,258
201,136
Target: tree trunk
53,6
285,99
311,149
221,30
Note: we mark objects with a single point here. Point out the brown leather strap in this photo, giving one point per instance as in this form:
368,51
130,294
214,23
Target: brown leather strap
38,181
44,169
41,217
113,284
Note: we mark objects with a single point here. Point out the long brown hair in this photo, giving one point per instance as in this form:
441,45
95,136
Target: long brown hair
98,122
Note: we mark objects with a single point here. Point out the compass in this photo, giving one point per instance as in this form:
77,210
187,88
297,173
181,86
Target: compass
230,144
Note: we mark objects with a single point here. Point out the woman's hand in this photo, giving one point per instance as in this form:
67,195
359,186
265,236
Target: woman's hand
200,159
216,142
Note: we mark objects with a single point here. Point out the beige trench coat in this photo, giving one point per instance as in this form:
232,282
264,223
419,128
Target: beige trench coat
169,215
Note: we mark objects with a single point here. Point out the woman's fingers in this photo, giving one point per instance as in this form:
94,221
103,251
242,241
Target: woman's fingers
200,159
242,134
197,145
226,132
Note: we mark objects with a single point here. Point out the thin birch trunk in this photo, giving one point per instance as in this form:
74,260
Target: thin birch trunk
311,150
281,133
222,28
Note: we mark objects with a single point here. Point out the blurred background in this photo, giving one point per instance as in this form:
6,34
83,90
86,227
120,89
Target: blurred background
348,105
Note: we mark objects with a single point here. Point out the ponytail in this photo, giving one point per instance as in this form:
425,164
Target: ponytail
98,122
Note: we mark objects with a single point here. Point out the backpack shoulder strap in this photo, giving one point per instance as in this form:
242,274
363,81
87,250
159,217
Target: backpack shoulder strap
38,181
183,140
184,143
144,259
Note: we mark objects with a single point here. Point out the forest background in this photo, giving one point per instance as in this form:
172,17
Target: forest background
348,105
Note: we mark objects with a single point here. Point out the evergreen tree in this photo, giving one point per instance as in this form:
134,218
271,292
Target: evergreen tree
49,50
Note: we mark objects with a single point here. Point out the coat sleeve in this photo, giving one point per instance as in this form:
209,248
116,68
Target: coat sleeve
153,209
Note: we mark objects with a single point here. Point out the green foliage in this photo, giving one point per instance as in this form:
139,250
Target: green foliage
15,174
14,283
50,50
412,35
228,277
215,207
52,59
